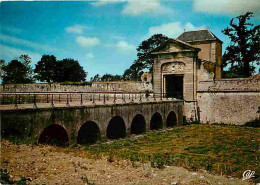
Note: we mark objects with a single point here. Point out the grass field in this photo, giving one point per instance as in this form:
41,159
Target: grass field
219,149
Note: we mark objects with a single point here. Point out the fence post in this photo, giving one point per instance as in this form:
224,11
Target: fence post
47,98
104,99
115,97
123,96
93,98
81,99
34,101
68,103
140,97
52,104
15,105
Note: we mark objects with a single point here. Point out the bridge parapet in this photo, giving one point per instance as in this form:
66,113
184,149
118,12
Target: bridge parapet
27,100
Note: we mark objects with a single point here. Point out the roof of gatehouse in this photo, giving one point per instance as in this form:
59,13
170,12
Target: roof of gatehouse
178,46
198,35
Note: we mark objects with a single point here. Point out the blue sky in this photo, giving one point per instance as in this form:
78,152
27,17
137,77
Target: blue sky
103,35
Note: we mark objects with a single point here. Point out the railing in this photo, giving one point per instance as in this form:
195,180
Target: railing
79,98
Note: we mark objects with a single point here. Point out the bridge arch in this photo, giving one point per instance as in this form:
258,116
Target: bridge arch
88,133
171,119
138,125
156,122
116,128
54,135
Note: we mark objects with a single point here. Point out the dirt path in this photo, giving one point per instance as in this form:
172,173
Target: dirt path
53,165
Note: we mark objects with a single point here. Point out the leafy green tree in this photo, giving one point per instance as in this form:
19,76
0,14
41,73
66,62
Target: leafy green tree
243,51
95,78
134,72
69,70
2,63
144,49
16,72
144,58
46,69
110,77
49,69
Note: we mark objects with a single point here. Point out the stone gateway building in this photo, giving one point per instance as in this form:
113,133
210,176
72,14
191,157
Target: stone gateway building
189,68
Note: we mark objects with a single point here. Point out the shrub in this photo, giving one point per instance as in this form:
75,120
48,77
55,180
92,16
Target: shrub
254,123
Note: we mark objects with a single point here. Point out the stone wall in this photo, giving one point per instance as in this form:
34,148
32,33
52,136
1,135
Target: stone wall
230,101
95,86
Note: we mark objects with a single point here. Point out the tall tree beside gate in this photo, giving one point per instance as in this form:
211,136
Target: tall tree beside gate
144,58
243,53
144,49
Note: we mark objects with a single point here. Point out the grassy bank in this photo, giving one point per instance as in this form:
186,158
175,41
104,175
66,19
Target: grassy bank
219,149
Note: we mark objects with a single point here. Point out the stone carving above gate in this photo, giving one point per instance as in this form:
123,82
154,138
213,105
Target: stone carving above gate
173,67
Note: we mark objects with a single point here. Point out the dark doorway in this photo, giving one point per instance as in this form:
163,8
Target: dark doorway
89,133
171,119
54,135
116,128
174,86
156,122
138,124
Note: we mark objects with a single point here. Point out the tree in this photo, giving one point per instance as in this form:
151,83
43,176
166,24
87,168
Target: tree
69,70
46,69
16,72
144,58
2,63
134,72
96,78
243,52
109,77
49,69
144,49
26,60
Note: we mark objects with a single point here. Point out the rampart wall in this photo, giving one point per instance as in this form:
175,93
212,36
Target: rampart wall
230,101
95,86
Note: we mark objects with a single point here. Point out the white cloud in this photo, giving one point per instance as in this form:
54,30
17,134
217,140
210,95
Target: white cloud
172,29
26,43
124,47
229,7
104,2
137,7
76,29
89,56
87,42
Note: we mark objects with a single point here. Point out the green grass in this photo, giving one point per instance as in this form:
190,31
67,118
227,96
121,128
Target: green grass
219,149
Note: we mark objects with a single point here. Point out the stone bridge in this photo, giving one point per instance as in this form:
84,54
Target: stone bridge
88,123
